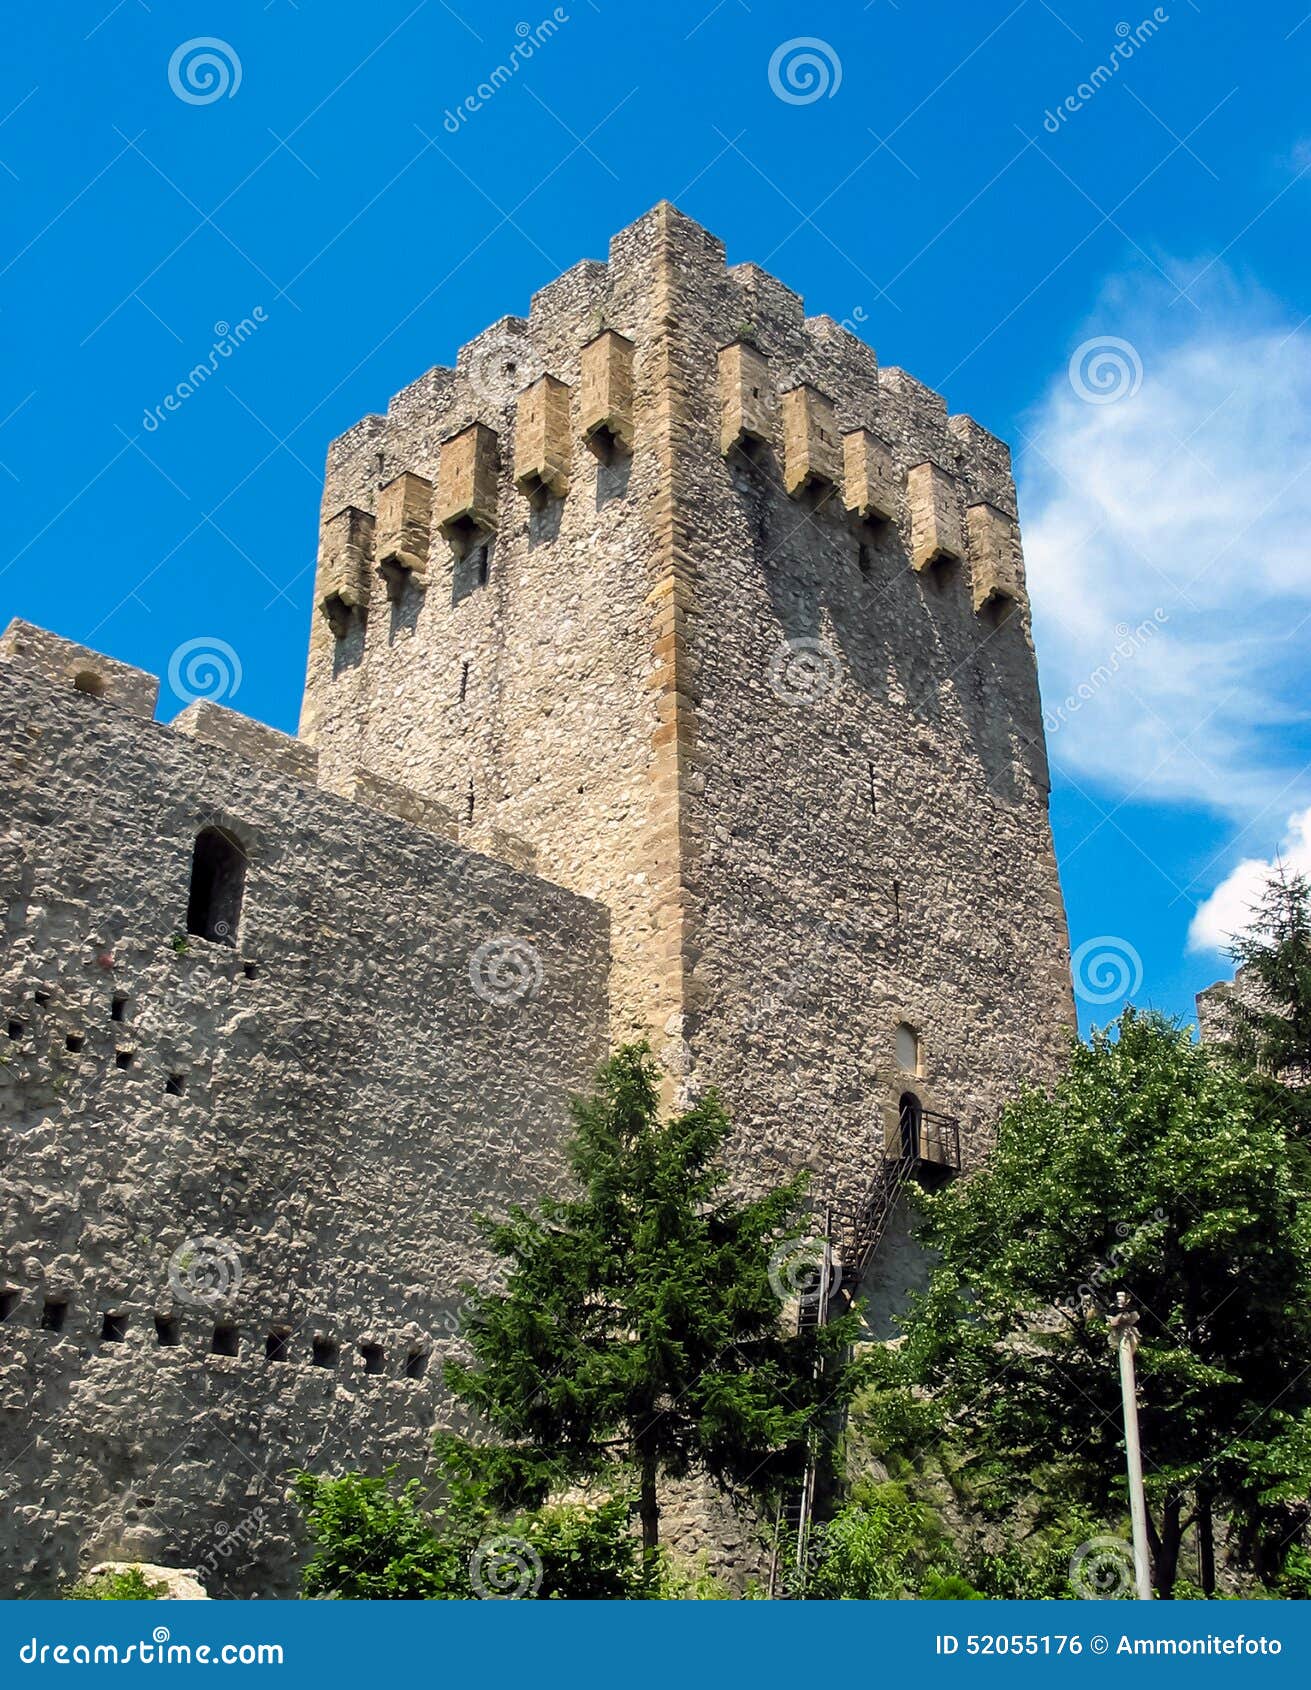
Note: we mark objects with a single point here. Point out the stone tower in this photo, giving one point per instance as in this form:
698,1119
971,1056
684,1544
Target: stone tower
673,595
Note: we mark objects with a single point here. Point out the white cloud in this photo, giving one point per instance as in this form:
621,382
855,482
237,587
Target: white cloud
1229,908
1186,503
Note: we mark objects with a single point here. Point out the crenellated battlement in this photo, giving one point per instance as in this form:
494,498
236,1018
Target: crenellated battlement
506,431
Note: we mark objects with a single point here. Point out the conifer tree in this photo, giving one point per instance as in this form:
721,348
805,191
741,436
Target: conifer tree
640,1334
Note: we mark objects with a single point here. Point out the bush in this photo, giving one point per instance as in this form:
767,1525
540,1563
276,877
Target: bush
372,1541
882,1545
131,1585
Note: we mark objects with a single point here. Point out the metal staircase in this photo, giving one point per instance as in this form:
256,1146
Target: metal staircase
851,1241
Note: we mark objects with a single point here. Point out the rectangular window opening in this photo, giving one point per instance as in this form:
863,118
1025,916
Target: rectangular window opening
15,1029
113,1328
124,1058
226,1341
41,999
9,1301
53,1314
416,1364
175,1085
118,1007
74,1041
323,1352
372,1355
167,1330
250,970
275,1345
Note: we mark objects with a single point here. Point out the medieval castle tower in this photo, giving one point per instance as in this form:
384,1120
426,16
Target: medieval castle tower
670,674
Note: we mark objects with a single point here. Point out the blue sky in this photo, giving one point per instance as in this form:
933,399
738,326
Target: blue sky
937,194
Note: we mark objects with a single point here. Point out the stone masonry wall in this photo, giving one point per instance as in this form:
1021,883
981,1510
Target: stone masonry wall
762,682
288,1136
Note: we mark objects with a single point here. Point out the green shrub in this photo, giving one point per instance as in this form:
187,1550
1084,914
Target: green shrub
130,1585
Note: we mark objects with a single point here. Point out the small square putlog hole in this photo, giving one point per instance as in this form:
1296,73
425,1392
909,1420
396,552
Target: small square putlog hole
53,1314
323,1352
15,1029
416,1364
9,1301
373,1357
168,1330
276,1344
175,1085
124,1058
74,1041
113,1328
226,1340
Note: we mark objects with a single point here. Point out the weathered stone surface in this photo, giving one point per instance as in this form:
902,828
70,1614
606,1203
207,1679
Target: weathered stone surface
343,583
404,532
349,1100
748,410
996,570
871,486
466,486
812,453
937,533
605,394
173,1583
35,652
541,440
246,738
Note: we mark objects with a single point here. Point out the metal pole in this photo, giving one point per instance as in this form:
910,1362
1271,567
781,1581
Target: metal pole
1124,1338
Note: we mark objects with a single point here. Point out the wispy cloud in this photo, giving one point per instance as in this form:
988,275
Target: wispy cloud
1189,500
1230,907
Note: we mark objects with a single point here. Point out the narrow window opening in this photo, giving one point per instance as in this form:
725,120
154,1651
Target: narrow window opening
118,1007
483,565
416,1364
74,1041
167,1330
226,1341
275,1345
469,804
9,1301
15,1029
873,792
124,1058
175,1085
464,680
896,900
323,1352
372,1355
864,560
908,1048
218,878
41,999
53,1314
87,681
113,1328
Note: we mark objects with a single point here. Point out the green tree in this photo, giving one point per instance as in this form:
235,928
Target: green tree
1268,1017
1152,1168
639,1332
